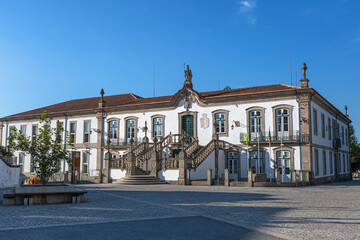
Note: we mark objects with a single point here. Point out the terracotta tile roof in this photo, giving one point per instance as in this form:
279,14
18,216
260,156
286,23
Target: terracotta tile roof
126,100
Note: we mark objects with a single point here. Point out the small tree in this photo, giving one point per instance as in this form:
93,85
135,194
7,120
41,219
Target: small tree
354,149
45,149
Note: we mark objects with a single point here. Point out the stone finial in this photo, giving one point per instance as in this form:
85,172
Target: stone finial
101,103
145,129
188,77
345,109
304,81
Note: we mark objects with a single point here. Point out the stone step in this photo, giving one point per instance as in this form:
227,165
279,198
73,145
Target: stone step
139,180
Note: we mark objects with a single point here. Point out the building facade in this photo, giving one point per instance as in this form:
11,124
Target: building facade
276,132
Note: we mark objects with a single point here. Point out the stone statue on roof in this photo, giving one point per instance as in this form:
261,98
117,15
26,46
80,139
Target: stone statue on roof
188,74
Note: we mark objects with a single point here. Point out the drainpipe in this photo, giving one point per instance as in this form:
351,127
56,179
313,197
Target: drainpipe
65,133
300,132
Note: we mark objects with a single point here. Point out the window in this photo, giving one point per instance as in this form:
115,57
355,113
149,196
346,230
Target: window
59,132
11,132
348,163
315,122
329,128
324,162
346,137
85,163
342,135
220,121
23,130
113,131
343,167
282,123
34,133
130,130
32,170
86,131
331,162
255,119
323,125
157,127
72,132
256,162
21,161
316,162
283,162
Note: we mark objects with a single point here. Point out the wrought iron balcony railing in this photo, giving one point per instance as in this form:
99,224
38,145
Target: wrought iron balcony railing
275,136
121,142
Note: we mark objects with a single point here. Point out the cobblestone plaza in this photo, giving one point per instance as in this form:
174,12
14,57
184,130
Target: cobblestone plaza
328,211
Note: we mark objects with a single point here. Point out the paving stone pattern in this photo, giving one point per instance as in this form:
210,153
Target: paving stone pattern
330,211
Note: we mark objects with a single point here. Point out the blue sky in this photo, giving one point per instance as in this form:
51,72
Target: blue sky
54,51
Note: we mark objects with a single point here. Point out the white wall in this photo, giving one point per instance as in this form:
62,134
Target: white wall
169,175
9,176
117,174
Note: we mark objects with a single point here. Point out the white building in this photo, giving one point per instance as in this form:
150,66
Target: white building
308,134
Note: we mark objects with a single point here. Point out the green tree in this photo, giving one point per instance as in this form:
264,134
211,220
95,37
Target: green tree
45,150
354,149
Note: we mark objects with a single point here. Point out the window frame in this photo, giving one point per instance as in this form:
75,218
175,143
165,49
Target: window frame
108,121
72,139
324,163
315,120
162,117
329,128
226,122
34,135
135,129
87,153
263,161
316,162
323,125
331,162
262,121
23,126
84,131
21,163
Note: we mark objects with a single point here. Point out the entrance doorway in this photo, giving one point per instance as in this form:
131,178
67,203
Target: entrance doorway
233,165
187,123
283,163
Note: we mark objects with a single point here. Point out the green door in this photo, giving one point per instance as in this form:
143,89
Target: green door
188,124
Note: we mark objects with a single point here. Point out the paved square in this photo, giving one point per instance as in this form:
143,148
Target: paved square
187,212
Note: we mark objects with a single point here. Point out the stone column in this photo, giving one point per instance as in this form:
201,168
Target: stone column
227,180
187,177
182,168
99,150
301,176
106,171
277,175
306,133
209,176
250,176
154,164
293,176
1,131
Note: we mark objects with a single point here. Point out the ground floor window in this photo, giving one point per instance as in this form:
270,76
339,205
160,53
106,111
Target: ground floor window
256,162
21,161
85,164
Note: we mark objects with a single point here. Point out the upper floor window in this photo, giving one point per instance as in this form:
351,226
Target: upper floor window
86,131
157,127
342,135
323,125
255,118
23,130
59,132
315,122
72,132
329,128
34,133
130,130
282,122
11,132
346,137
220,123
113,131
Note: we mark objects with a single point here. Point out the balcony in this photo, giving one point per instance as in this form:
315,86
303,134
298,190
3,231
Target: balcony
121,142
336,143
275,136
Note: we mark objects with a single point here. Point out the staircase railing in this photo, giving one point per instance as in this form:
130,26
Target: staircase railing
205,152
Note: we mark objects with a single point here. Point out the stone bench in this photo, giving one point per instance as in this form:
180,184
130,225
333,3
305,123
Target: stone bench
30,195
